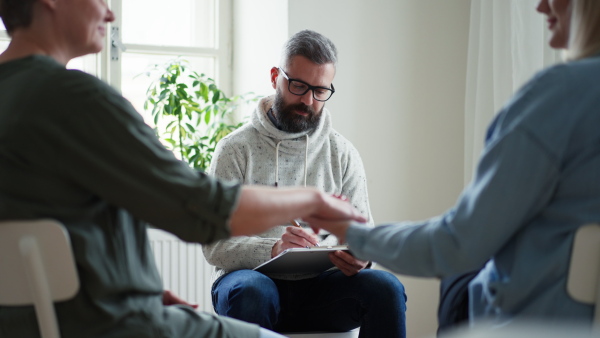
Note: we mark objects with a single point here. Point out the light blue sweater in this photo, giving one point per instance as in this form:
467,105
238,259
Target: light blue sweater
538,180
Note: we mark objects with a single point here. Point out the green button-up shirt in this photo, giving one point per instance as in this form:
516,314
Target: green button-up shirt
73,149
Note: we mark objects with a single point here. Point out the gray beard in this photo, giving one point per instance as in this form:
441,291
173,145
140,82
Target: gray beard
289,121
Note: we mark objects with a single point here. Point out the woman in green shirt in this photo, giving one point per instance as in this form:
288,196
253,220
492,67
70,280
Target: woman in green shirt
73,149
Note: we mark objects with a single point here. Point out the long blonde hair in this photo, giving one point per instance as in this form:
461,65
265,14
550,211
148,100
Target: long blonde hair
585,29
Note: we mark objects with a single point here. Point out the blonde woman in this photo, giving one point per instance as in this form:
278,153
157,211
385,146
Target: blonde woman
537,182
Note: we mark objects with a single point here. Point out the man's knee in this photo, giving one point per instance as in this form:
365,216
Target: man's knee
384,284
253,291
246,286
245,291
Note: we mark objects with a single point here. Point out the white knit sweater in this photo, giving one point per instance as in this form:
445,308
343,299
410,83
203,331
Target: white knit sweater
325,159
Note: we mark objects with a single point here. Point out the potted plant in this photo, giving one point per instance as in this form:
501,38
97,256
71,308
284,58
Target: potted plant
191,114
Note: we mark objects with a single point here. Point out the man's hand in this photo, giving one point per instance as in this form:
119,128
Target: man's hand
349,265
169,298
294,237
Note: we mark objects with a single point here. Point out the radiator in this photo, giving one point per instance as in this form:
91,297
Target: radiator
183,268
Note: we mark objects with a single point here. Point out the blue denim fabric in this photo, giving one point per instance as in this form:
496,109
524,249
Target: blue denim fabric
372,299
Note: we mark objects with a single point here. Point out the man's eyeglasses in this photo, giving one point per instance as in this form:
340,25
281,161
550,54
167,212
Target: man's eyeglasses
299,87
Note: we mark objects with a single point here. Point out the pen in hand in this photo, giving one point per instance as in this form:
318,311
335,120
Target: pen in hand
296,224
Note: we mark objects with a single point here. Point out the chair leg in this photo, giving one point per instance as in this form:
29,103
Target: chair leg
44,308
597,308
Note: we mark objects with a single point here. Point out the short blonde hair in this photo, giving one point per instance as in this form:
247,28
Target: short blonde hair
585,29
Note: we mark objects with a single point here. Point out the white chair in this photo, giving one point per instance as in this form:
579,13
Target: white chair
583,285
37,267
349,334
522,329
583,282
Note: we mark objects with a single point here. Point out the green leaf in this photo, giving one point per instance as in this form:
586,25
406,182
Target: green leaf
182,93
207,118
156,117
170,124
204,91
216,96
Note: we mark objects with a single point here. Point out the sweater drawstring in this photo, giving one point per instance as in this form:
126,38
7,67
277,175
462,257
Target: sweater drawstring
277,162
306,160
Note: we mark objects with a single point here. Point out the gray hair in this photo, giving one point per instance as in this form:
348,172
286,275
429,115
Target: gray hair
310,44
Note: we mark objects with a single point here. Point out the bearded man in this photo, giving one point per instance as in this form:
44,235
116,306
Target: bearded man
290,142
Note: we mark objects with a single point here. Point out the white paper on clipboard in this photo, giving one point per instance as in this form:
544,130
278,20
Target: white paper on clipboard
301,260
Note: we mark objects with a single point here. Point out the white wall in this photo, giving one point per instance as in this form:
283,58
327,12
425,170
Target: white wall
260,28
400,89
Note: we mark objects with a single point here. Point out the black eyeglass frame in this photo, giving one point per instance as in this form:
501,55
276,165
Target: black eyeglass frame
308,87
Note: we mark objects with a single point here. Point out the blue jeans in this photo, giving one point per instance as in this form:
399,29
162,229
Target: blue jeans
372,299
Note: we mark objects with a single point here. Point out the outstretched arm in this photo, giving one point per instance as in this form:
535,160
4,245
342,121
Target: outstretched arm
261,208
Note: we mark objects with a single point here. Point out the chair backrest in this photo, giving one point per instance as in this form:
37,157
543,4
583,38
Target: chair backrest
37,268
583,283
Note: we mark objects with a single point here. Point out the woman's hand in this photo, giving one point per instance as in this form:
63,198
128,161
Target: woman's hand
337,228
169,298
261,208
336,208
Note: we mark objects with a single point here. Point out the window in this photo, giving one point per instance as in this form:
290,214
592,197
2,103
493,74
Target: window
3,44
153,32
4,40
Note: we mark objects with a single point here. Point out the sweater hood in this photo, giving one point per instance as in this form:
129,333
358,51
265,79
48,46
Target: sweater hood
291,143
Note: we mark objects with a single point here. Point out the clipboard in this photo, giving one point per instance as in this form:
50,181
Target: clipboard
301,260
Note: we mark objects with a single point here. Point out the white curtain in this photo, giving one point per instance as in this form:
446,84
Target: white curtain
507,45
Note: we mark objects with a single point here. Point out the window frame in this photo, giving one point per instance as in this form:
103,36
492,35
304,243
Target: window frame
222,52
110,70
3,34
